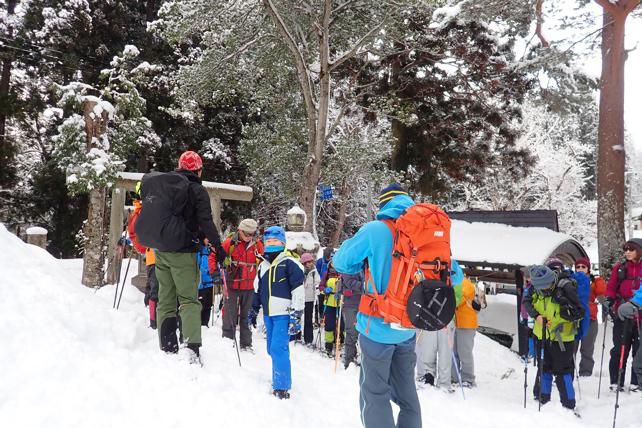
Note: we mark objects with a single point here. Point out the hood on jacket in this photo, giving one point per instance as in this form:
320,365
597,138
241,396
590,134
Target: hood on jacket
395,207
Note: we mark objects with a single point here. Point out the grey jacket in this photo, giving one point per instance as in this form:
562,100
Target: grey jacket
353,284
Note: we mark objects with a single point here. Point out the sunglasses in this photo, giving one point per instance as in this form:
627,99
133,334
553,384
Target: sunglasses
629,248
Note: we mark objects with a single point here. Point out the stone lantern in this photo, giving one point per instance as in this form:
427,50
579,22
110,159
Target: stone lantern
296,219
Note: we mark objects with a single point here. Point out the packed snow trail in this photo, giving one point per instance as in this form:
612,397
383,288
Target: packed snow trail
69,360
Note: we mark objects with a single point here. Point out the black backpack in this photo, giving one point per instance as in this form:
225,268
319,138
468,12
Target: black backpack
571,308
161,223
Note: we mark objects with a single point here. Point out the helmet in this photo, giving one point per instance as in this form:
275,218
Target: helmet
306,257
190,161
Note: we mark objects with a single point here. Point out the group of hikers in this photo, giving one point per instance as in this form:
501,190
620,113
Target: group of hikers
391,297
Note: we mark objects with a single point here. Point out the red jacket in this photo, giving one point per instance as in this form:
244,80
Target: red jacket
130,227
628,286
243,262
598,288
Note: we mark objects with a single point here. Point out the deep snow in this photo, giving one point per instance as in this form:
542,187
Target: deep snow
69,360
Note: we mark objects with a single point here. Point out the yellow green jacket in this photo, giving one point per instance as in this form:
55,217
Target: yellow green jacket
559,328
330,300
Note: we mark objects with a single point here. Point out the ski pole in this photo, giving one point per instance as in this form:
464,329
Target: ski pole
525,377
577,375
120,251
227,297
337,338
541,364
599,385
122,287
625,333
455,362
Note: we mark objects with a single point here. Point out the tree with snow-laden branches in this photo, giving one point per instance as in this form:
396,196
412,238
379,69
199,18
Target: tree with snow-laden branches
558,176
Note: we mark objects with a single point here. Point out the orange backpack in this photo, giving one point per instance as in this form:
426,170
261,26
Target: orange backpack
420,252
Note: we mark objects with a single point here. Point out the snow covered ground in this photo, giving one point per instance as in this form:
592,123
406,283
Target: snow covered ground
69,360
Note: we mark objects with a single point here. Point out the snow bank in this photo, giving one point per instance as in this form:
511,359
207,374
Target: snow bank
69,360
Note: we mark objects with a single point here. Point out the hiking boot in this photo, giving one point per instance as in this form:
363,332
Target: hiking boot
247,349
427,379
467,384
615,388
281,394
635,388
191,354
329,348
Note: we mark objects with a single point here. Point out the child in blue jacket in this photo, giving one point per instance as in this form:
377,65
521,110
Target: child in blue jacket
278,288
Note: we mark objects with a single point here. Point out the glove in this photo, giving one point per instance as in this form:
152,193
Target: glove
609,305
476,306
252,315
295,322
327,290
347,293
627,310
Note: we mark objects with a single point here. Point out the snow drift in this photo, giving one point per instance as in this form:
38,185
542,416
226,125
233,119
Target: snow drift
70,360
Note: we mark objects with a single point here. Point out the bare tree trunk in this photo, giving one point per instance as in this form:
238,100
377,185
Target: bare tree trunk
93,272
5,76
312,170
611,154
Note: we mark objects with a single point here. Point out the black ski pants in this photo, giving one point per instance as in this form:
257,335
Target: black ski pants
630,341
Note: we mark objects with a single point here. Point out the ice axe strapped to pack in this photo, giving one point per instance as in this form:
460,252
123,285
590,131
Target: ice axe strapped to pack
420,256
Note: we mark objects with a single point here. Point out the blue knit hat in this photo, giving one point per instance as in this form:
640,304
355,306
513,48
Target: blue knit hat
542,277
390,192
274,232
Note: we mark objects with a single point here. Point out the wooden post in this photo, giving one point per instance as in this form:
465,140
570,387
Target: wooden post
215,203
522,331
116,225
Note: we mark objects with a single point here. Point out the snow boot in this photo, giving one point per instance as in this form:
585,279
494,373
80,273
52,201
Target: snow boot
329,348
167,336
193,354
281,394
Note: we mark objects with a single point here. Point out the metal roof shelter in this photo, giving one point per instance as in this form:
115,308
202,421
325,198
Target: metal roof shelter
495,247
126,181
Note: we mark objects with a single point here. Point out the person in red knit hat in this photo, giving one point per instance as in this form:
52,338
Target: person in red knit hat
587,344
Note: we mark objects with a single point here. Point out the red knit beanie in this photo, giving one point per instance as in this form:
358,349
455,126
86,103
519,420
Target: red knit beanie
190,161
584,261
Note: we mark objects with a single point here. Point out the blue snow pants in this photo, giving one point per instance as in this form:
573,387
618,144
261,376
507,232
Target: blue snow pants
388,373
278,347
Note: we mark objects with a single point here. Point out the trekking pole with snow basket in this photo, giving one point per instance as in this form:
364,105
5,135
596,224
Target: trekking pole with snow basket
227,297
577,376
599,385
625,339
525,377
455,363
122,287
540,367
337,337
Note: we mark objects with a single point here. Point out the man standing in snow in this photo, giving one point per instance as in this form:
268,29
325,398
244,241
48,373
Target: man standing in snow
243,254
387,354
176,217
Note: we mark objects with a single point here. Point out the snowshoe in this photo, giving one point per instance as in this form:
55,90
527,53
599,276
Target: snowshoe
281,394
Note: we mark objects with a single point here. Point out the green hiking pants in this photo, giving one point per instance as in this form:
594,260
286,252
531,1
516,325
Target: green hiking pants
178,278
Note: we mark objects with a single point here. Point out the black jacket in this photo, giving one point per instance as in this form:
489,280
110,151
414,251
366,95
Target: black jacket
198,216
